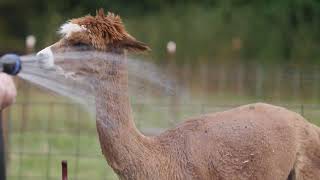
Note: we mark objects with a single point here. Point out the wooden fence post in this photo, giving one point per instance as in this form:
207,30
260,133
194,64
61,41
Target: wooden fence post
64,170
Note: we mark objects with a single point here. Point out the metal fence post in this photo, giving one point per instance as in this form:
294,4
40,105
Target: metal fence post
302,110
2,153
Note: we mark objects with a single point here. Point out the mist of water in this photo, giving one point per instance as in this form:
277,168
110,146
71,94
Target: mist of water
144,77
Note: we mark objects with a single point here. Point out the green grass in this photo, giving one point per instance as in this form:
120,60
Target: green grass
44,130
48,129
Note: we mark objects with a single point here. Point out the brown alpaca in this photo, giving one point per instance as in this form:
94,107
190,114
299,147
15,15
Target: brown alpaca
256,141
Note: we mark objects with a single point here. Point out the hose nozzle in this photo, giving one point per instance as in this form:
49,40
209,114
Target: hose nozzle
10,64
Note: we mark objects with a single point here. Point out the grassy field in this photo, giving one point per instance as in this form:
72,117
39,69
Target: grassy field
45,129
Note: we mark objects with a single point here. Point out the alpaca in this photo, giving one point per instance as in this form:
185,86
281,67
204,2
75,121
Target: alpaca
255,141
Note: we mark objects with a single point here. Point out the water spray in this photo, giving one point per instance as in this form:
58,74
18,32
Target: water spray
47,72
13,64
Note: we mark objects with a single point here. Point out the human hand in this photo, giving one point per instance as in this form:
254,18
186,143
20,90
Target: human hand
8,91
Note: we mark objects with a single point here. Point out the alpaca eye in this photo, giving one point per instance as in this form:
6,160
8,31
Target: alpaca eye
80,44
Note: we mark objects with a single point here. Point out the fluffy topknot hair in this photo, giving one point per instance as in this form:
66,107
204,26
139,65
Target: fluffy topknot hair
106,32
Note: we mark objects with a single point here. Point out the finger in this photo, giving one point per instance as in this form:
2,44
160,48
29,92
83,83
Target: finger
8,91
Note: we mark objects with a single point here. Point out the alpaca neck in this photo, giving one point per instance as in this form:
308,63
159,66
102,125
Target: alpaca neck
120,140
112,100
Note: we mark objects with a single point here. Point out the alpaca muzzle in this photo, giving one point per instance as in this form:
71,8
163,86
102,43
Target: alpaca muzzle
46,57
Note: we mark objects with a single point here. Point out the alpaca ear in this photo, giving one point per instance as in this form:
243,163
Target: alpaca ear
133,45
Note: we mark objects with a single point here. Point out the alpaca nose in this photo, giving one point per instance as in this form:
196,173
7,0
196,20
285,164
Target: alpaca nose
46,57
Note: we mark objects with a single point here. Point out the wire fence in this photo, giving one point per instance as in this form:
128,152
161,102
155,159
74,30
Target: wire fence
37,144
42,130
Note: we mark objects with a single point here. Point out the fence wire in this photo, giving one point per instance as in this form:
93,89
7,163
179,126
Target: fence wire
37,144
42,130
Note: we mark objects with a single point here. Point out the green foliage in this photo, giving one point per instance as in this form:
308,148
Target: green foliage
265,30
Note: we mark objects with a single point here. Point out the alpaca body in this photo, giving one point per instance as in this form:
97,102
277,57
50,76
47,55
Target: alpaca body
257,141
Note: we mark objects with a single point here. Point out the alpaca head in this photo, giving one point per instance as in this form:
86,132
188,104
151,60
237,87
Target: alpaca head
85,37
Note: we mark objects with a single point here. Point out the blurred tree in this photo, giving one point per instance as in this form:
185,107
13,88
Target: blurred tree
270,30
